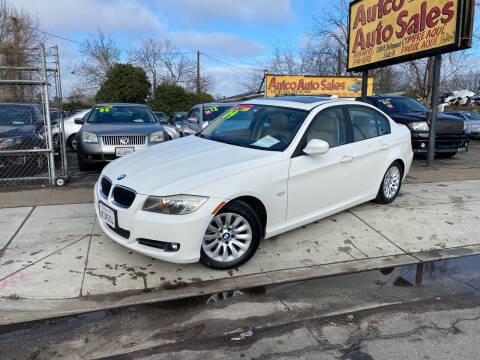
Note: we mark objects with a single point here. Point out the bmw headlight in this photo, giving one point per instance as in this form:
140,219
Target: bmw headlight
7,142
419,126
88,137
174,205
157,136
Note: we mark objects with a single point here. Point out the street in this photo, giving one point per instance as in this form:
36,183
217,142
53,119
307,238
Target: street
400,313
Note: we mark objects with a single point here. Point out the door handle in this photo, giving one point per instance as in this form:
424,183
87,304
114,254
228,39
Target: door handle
346,159
384,146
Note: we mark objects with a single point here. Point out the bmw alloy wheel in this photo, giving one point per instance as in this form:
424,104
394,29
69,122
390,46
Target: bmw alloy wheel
227,238
391,183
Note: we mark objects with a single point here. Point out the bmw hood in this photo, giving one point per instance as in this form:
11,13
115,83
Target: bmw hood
184,165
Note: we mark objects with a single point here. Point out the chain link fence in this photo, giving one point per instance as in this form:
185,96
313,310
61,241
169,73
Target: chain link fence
32,146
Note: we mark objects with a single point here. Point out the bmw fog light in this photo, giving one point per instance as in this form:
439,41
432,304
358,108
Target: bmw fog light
174,205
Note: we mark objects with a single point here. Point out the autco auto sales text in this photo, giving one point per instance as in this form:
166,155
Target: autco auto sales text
422,30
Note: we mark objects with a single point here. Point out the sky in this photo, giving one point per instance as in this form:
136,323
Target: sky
240,32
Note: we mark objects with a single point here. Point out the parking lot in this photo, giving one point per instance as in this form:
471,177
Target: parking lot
57,261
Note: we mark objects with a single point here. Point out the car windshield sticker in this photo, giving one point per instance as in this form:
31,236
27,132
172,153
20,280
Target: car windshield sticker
104,108
387,103
267,142
210,109
233,111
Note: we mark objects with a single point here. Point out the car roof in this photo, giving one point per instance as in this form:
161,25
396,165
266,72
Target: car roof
299,102
218,104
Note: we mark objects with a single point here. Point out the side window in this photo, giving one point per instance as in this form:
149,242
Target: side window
367,123
330,126
189,115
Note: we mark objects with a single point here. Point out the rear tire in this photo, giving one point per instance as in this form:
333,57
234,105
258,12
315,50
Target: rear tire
232,237
391,184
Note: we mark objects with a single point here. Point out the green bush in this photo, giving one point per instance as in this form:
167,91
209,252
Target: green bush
124,84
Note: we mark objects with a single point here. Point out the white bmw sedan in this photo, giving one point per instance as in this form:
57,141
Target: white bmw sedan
260,169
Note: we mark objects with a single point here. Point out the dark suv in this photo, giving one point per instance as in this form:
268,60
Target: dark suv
451,133
21,128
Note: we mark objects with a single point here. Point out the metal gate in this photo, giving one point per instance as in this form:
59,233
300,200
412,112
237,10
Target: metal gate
32,144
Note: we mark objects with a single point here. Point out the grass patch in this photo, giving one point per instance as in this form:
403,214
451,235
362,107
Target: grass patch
12,297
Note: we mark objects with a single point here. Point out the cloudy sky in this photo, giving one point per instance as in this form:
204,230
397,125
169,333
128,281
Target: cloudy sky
242,32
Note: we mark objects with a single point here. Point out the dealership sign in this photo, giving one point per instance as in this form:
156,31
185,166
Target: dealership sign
342,86
385,32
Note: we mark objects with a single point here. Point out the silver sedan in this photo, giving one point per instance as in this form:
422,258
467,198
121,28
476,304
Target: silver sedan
115,130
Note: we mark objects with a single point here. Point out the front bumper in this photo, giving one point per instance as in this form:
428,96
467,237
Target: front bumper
100,153
134,224
443,143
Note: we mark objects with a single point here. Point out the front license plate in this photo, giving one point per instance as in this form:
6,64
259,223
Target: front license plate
122,151
107,214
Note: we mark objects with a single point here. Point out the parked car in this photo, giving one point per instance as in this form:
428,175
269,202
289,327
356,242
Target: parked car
71,128
171,130
21,128
471,118
213,196
201,115
115,130
162,117
451,133
177,118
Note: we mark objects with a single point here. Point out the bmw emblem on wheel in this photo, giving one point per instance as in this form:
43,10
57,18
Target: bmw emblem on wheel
122,176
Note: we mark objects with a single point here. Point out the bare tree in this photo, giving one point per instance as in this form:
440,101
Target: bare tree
101,53
18,37
165,63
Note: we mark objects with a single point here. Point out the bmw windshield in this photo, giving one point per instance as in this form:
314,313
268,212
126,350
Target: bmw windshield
121,114
256,126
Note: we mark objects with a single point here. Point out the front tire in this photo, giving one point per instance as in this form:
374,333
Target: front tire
232,237
390,187
71,143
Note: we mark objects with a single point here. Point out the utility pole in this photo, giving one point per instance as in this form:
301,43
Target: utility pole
437,63
15,58
339,64
198,72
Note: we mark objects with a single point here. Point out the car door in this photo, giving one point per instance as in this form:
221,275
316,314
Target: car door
318,184
371,142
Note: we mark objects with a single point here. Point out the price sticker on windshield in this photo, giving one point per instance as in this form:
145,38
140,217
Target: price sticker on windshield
234,111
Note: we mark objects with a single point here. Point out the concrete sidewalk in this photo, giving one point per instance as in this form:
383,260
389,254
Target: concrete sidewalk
57,261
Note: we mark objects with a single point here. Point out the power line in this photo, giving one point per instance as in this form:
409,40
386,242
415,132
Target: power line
57,36
233,60
120,49
231,67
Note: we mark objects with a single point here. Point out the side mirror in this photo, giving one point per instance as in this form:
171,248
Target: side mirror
316,147
192,120
78,121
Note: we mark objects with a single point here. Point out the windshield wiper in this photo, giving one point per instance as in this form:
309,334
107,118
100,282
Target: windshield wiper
230,142
200,135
